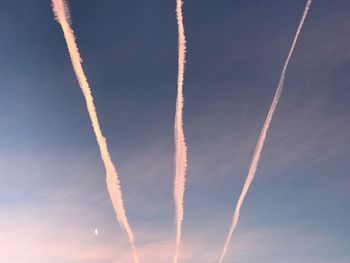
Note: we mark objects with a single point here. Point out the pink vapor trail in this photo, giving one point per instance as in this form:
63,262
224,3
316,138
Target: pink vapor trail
61,11
180,144
260,144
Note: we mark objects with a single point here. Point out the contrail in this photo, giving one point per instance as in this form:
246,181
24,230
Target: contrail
61,11
180,144
262,137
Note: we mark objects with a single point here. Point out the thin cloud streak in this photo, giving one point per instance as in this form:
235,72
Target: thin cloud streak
260,144
180,144
61,11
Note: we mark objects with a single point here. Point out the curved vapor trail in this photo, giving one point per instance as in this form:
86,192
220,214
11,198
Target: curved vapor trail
61,11
180,144
262,137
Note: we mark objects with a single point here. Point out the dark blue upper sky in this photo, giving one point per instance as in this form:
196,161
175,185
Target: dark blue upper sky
53,191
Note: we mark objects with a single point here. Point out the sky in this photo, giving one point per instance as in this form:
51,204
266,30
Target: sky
53,193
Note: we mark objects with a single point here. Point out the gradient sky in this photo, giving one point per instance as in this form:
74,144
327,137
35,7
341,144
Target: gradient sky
53,193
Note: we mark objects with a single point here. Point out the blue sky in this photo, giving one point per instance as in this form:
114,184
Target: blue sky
53,183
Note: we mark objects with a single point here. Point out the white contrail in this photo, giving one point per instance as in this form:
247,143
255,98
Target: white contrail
262,137
61,11
180,144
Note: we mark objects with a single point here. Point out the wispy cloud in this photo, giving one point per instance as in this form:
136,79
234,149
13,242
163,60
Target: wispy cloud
62,15
262,137
180,144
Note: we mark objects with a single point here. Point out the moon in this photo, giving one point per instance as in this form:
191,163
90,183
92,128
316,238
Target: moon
96,232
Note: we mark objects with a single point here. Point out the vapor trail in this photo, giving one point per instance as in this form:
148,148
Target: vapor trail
180,144
262,137
61,11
